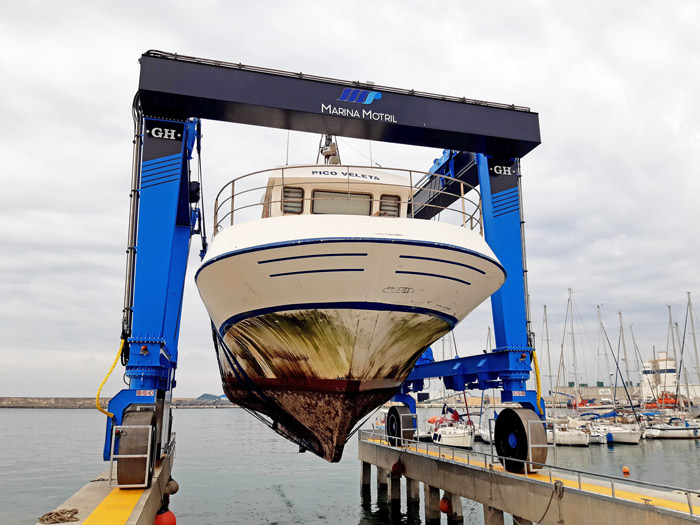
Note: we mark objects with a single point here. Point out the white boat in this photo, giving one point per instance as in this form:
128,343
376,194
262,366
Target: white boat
676,428
567,436
323,302
619,434
596,438
454,434
484,434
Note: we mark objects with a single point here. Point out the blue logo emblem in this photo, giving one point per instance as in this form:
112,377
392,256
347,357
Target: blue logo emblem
359,96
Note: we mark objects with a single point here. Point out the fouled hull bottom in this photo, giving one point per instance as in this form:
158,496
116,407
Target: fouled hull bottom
318,415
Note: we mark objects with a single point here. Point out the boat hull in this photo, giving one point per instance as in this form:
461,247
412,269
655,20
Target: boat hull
672,432
461,437
572,438
316,330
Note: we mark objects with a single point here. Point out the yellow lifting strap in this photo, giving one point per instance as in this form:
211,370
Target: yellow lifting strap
97,398
537,381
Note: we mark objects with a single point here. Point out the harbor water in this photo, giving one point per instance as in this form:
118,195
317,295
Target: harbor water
232,469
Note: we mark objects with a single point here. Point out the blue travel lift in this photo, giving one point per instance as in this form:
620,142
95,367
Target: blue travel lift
175,93
508,366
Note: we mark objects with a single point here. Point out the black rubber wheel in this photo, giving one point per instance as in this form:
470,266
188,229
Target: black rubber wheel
132,471
512,434
399,425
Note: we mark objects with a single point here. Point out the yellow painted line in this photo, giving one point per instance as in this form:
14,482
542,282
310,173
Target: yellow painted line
588,487
115,508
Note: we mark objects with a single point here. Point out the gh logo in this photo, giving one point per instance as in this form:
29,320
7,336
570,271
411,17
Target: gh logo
163,133
502,170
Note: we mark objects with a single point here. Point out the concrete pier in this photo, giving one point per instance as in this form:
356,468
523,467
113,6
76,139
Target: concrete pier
456,515
547,497
493,516
412,490
431,500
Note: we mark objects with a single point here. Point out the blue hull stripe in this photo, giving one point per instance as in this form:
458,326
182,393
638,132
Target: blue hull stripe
482,272
339,240
379,307
314,255
331,270
435,275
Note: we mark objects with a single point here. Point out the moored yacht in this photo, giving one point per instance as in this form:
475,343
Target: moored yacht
323,291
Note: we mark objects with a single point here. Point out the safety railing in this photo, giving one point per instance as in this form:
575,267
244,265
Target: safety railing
238,199
486,460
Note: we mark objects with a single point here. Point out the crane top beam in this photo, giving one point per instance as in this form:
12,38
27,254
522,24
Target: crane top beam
179,87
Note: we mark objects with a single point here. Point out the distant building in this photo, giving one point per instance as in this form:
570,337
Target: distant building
660,375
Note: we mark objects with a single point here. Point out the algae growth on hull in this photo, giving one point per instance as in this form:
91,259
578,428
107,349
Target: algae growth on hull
316,373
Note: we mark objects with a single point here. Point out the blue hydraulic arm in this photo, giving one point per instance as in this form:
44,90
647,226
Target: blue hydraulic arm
164,216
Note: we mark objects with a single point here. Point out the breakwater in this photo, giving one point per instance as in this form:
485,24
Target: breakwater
89,402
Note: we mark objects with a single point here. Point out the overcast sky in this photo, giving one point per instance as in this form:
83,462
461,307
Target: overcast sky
610,197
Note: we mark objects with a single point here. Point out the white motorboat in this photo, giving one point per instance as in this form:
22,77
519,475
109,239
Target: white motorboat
322,304
562,436
676,428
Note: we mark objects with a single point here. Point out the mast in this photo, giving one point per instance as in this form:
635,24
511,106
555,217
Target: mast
673,343
692,331
681,367
561,369
624,350
640,367
602,332
657,381
573,347
549,357
600,338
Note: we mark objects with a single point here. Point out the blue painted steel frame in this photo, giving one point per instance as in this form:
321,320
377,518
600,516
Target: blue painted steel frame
508,366
166,222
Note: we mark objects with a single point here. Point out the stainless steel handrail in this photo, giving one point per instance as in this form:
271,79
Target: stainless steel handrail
228,200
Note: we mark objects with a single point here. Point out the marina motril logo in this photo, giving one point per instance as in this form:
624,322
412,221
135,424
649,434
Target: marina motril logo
358,96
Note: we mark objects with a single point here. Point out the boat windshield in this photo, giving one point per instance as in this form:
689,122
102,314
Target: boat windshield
341,203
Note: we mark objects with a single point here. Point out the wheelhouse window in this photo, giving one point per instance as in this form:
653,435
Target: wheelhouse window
293,200
389,206
341,203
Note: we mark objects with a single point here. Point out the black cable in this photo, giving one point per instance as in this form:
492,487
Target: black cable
125,354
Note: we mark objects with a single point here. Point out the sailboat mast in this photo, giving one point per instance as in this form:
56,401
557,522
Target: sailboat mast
624,350
684,368
573,345
673,343
640,367
601,341
549,356
692,332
